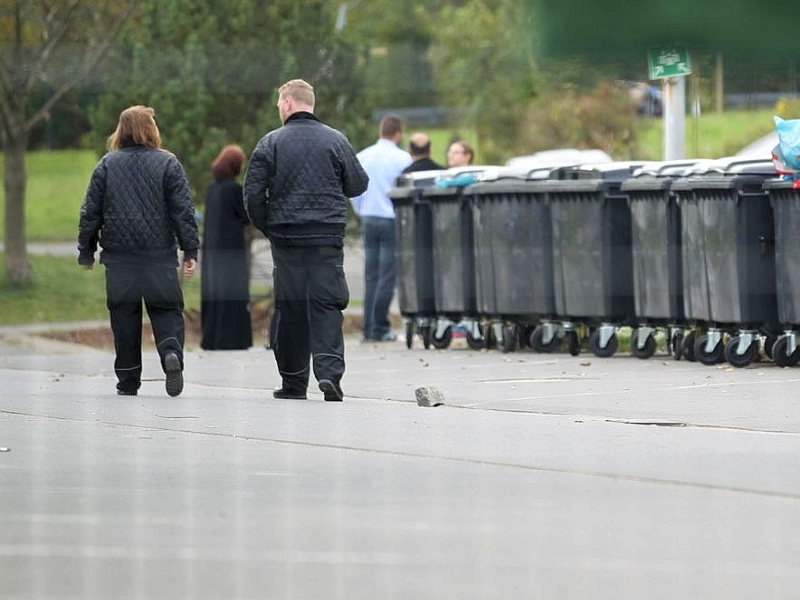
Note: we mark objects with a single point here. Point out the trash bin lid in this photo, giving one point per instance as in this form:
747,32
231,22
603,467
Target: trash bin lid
658,176
745,175
417,178
735,165
504,186
498,173
613,171
528,170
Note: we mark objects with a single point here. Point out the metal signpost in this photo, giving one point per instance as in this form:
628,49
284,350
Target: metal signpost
672,65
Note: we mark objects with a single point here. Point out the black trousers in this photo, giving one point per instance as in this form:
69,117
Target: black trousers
126,287
310,295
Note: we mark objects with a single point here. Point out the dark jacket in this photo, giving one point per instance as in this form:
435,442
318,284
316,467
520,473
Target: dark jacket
423,164
138,201
298,181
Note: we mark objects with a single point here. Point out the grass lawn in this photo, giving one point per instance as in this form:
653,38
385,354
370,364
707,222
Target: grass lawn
57,182
708,136
64,291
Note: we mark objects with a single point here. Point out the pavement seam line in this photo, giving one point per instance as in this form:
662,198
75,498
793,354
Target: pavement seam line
538,469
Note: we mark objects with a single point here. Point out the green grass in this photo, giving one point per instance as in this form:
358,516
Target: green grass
708,136
64,291
57,182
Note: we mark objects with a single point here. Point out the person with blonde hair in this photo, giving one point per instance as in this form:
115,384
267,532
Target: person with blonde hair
138,209
224,282
296,188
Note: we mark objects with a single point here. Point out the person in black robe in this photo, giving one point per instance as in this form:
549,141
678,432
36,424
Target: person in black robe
224,292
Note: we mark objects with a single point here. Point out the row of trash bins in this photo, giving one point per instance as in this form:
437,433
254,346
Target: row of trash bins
703,252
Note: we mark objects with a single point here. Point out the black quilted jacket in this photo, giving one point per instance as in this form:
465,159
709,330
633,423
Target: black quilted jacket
137,204
298,181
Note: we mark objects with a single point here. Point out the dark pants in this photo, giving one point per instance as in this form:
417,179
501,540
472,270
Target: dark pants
310,295
126,287
379,274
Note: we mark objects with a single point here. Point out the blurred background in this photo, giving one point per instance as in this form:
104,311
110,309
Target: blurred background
510,77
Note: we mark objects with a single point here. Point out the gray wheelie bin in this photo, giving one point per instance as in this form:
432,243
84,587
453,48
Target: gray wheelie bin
513,256
592,261
414,253
656,252
785,202
452,255
728,260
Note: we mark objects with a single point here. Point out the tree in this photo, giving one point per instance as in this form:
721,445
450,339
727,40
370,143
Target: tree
49,48
490,82
211,69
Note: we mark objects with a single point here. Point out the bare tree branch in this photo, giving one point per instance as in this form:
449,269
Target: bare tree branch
51,39
92,60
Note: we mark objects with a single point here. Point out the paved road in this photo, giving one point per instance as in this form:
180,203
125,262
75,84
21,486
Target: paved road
543,476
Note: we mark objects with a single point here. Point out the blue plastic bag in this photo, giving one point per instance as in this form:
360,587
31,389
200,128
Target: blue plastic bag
789,141
462,180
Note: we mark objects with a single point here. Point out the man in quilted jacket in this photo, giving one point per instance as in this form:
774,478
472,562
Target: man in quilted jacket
139,209
296,189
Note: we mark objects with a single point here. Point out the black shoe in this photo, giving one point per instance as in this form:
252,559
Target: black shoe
174,371
283,393
126,392
332,391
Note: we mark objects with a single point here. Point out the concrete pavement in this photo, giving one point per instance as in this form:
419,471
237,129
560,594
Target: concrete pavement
545,476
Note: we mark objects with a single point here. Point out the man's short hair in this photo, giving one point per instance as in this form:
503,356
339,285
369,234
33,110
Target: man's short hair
298,90
390,126
423,150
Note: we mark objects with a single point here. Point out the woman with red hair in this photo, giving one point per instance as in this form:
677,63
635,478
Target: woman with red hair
224,291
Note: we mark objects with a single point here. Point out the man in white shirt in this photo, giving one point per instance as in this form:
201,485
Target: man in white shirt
383,162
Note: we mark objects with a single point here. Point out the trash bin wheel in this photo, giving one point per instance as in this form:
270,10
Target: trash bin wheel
769,344
677,345
740,360
525,334
573,343
779,353
608,350
647,350
476,343
440,343
687,347
509,341
425,333
535,340
409,334
714,357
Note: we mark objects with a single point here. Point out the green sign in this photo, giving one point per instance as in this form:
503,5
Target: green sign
670,62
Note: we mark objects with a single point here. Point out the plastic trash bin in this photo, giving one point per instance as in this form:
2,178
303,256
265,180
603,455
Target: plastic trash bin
452,256
414,253
513,256
656,254
728,259
592,261
785,202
